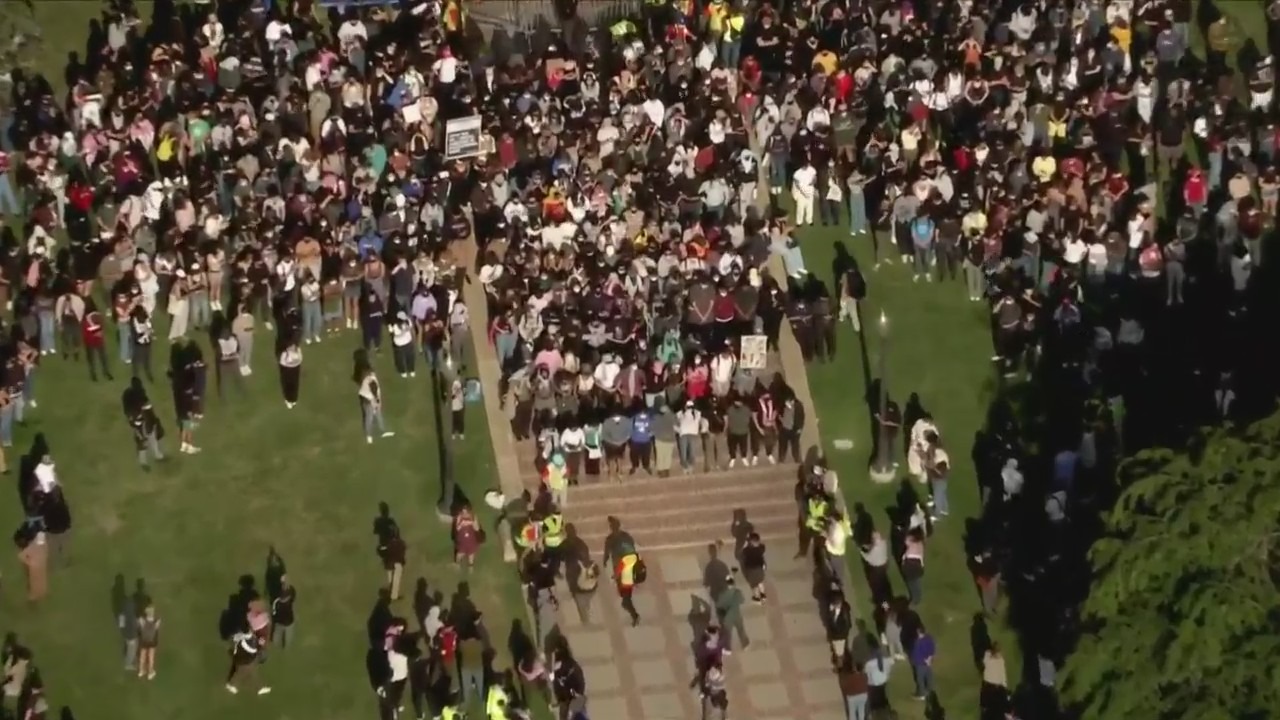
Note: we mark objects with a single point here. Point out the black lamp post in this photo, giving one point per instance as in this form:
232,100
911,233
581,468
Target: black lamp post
444,436
882,470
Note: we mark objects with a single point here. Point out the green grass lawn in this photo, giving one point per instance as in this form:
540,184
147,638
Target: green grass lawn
301,480
938,347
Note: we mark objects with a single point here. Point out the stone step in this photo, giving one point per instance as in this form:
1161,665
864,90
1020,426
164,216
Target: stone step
691,524
641,493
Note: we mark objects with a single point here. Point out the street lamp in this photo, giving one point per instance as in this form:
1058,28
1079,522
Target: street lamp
883,470
445,438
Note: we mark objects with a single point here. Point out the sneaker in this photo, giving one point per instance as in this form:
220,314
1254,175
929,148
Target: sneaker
404,375
193,450
151,675
755,459
388,433
269,327
733,463
288,405
232,689
32,404
928,278
368,439
773,460
264,690
413,374
915,278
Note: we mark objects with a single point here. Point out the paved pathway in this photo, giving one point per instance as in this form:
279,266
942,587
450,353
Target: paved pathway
645,673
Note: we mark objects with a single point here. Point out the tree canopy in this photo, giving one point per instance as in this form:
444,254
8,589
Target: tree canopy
1182,620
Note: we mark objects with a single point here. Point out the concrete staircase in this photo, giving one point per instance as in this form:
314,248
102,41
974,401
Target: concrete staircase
687,511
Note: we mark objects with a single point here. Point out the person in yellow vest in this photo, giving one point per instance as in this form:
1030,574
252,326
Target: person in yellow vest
495,705
451,712
455,16
553,537
815,522
625,575
716,12
555,478
622,31
836,540
528,537
731,38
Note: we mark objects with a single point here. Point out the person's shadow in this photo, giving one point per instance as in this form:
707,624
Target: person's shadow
380,618
715,575
979,639
463,609
235,616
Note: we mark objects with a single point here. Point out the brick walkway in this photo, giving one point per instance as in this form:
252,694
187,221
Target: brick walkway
645,673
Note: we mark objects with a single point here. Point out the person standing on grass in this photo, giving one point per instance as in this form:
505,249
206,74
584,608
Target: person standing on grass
370,394
33,553
854,688
393,552
122,304
143,338
402,350
282,613
228,363
186,402
245,648
95,351
291,373
371,318
242,327
467,537
148,642
17,665
922,654
143,421
70,311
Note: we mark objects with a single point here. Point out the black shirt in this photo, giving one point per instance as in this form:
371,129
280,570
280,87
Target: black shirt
282,607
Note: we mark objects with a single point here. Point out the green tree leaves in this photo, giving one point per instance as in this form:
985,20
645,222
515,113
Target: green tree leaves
1182,620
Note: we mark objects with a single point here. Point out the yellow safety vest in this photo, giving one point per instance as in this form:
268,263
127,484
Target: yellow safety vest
450,713
553,529
715,17
496,704
733,27
529,534
817,515
621,29
556,479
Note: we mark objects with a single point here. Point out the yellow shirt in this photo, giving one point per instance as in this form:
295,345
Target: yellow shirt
1123,37
716,13
1044,167
826,60
168,145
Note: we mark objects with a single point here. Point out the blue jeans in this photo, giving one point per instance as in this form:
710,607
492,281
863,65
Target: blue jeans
730,53
124,336
201,312
505,344
471,678
685,445
372,416
940,503
923,259
9,204
858,214
777,171
312,323
924,680
48,328
856,707
8,414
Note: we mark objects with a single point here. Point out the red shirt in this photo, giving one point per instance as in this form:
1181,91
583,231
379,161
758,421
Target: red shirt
91,330
724,309
1195,191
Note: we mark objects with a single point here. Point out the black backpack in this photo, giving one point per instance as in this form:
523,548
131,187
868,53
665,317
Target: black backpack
641,572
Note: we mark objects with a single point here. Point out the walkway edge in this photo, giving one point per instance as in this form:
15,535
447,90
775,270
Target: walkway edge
490,374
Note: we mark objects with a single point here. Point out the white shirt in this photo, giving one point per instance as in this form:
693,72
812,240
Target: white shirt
607,375
446,69
46,478
689,421
401,334
1075,251
399,666
804,180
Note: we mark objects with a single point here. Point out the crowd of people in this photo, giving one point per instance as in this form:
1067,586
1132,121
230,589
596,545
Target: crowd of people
239,165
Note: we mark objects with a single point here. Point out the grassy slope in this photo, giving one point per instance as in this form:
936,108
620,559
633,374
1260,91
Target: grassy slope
302,480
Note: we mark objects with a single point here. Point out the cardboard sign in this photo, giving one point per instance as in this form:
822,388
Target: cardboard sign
462,137
755,352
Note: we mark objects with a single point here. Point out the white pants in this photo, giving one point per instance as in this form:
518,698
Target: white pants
804,209
1260,100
